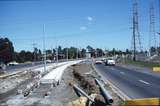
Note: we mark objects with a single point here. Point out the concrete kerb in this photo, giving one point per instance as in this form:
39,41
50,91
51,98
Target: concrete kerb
123,96
57,73
11,74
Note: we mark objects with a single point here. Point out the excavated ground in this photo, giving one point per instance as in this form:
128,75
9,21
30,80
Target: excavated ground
81,74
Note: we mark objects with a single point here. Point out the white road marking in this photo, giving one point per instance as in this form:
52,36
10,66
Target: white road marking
112,68
122,72
144,82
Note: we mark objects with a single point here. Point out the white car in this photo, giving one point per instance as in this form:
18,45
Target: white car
98,62
12,63
110,62
48,61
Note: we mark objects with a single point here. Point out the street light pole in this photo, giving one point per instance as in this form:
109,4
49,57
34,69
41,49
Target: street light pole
77,53
159,22
34,47
57,54
67,54
44,48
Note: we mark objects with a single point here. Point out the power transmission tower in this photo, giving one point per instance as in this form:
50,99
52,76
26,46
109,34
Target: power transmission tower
136,39
159,22
152,33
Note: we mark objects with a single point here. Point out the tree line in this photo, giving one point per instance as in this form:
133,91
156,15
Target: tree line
8,54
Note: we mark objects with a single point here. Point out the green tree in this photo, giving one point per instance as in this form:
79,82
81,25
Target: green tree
29,56
92,51
22,56
83,53
6,50
72,52
99,52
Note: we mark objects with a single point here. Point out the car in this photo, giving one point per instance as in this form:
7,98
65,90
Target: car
48,61
13,63
110,62
98,62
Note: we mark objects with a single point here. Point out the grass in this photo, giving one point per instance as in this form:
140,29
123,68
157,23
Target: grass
143,64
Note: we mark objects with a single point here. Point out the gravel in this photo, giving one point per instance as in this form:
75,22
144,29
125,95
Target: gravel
82,74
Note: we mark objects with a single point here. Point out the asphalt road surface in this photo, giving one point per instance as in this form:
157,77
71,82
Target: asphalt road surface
132,83
23,66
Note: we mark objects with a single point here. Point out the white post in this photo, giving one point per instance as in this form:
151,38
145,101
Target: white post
44,48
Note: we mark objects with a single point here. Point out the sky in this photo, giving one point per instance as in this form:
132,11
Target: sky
102,24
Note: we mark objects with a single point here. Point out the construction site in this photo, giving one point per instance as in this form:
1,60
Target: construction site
76,76
32,88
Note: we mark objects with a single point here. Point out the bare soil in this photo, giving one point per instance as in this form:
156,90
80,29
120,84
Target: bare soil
84,75
81,74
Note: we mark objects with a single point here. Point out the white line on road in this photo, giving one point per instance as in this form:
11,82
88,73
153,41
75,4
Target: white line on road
144,82
122,72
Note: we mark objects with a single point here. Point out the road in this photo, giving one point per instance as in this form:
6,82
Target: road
29,66
132,83
23,66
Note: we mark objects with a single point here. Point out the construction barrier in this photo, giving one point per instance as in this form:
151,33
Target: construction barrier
143,102
156,69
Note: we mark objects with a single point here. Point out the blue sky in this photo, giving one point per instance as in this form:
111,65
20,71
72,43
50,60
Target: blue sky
99,23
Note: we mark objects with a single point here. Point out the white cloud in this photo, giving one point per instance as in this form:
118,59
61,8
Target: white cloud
90,18
83,28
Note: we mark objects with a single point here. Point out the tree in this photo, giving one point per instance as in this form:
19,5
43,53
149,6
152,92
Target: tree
29,56
6,50
59,49
128,52
99,52
35,53
39,55
49,54
72,52
83,53
65,52
22,56
152,51
92,51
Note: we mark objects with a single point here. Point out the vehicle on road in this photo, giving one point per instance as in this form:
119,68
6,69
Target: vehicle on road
48,61
110,62
98,62
13,63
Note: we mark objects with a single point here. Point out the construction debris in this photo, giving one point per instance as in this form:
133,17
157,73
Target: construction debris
105,93
33,93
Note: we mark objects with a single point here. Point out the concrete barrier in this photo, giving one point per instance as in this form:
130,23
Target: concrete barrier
57,73
143,102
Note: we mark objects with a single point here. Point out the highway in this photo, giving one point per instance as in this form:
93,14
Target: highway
23,66
132,83
28,66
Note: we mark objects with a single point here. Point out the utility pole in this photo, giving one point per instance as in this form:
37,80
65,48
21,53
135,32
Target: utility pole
34,47
159,22
136,40
57,54
44,48
67,53
152,34
77,53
